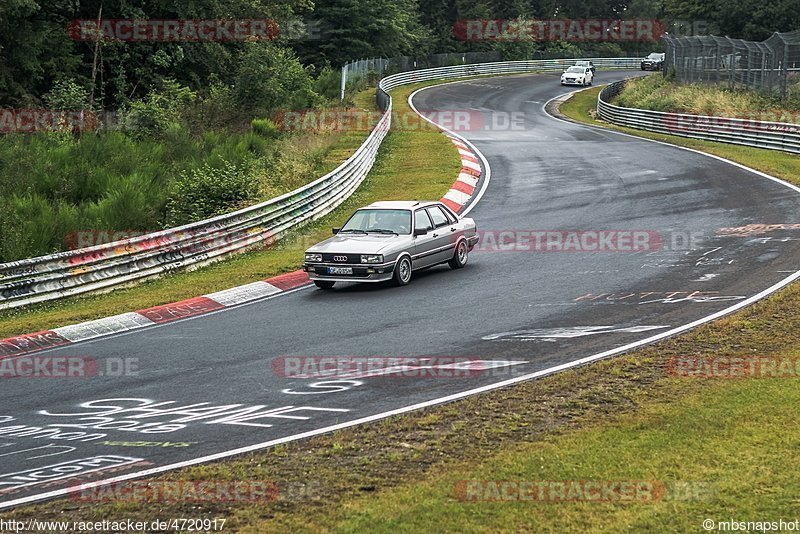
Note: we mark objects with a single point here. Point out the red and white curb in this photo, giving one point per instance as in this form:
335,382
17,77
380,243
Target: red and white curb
125,322
467,182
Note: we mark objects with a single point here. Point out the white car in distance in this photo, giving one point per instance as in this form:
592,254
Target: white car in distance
577,76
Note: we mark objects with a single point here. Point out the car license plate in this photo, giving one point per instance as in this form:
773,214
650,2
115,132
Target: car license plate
340,270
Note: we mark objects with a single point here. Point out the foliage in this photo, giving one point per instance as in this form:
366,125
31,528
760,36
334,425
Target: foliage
746,20
152,115
208,191
661,93
328,83
67,95
36,51
269,77
265,128
53,185
355,29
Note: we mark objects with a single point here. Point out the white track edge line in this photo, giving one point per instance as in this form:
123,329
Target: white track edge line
426,404
487,170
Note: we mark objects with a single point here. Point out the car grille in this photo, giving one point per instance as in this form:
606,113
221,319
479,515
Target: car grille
337,258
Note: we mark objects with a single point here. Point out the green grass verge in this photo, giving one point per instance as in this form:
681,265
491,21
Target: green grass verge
410,164
661,93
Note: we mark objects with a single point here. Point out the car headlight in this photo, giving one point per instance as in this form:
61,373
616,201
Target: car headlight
313,257
372,258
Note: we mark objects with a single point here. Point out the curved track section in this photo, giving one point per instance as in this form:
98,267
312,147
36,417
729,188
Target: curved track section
214,385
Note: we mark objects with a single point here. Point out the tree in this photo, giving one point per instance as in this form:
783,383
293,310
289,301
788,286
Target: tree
270,77
357,29
34,48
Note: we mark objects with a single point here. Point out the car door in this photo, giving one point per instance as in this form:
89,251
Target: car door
444,234
589,75
423,244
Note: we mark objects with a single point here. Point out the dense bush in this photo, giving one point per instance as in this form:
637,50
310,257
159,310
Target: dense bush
153,115
265,128
52,186
269,78
328,83
67,95
208,191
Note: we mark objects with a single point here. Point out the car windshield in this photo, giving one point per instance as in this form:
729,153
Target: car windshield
581,63
654,56
379,221
575,69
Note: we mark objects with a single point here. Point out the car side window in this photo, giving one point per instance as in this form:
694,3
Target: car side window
422,221
450,218
437,216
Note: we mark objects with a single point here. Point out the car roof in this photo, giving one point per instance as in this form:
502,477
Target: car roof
401,204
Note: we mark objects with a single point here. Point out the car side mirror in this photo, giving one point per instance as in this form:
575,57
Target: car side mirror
336,230
420,231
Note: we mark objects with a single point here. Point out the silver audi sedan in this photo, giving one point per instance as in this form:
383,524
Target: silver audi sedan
388,241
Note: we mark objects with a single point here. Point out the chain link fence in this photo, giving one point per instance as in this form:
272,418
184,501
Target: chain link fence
771,66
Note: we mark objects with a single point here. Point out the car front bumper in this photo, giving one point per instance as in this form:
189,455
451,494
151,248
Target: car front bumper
572,82
362,272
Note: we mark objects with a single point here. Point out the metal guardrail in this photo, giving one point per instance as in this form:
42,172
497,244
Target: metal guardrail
761,134
123,262
94,268
488,69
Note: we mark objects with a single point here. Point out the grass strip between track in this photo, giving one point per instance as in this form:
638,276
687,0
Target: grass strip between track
722,449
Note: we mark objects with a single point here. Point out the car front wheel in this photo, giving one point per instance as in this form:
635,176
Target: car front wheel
323,284
460,257
402,272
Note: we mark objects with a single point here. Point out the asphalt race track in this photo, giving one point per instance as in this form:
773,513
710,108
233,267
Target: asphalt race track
212,384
